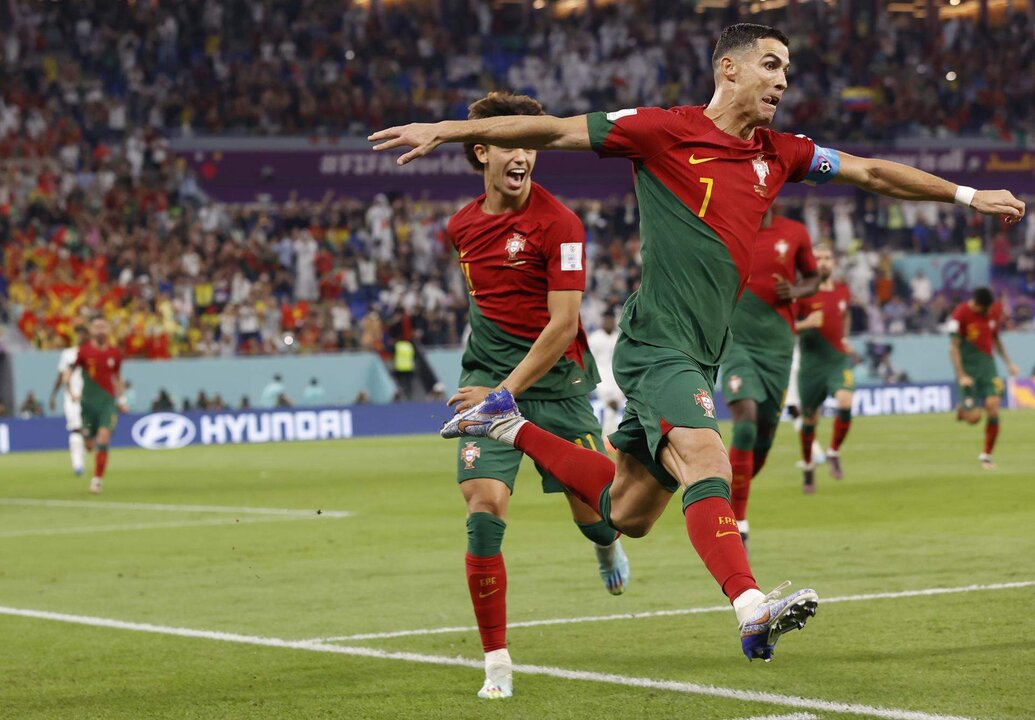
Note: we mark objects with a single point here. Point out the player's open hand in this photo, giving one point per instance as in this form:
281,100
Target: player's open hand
999,202
469,396
966,380
422,137
1013,370
813,320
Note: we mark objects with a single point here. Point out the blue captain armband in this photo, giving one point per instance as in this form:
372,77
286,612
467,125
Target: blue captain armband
824,166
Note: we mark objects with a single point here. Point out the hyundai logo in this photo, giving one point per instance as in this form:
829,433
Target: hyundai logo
163,431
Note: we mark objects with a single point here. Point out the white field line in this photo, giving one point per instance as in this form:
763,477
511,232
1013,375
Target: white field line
157,507
792,716
681,611
789,701
46,532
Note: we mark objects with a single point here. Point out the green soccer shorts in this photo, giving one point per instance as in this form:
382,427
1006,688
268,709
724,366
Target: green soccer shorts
664,389
822,377
99,414
571,418
986,384
753,375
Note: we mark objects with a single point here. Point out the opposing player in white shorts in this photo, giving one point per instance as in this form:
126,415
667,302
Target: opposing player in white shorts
72,396
793,405
602,345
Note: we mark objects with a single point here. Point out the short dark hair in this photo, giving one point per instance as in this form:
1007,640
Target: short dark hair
495,104
742,35
983,297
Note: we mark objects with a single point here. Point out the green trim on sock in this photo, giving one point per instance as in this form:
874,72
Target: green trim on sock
707,488
992,420
844,415
745,433
599,532
604,505
484,534
807,428
102,448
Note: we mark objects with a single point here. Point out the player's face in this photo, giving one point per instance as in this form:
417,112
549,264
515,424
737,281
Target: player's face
825,262
99,331
762,79
508,170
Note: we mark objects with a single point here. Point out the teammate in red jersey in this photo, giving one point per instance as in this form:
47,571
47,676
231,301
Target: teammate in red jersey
522,253
102,392
975,327
705,176
757,367
826,366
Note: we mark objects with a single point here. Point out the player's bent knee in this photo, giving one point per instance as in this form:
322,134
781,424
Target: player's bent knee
634,526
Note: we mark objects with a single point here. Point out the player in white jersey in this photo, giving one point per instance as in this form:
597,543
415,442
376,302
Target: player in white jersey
73,394
602,345
794,408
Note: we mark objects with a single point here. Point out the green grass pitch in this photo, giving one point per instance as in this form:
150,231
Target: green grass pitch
914,513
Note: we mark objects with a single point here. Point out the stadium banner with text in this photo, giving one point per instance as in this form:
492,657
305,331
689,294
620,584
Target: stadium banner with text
247,175
947,271
173,430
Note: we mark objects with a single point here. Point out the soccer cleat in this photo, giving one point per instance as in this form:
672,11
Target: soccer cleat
96,486
834,463
773,617
78,472
808,485
496,417
986,461
614,567
499,682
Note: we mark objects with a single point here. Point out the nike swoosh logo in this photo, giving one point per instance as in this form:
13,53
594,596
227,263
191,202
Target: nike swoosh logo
485,595
463,253
464,424
728,532
698,161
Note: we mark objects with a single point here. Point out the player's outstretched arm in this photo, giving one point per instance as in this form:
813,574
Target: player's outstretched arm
534,132
907,183
1001,349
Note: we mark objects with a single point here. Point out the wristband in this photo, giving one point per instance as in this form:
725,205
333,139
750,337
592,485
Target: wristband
964,195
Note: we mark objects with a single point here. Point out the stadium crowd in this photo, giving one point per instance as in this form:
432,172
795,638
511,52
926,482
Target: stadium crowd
107,70
97,212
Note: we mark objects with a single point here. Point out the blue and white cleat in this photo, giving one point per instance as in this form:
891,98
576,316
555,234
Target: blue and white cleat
614,567
499,682
773,617
496,417
78,472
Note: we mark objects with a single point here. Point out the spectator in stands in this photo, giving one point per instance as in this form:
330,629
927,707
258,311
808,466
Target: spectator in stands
920,290
163,402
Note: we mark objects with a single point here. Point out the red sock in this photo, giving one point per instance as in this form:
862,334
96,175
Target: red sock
100,462
585,472
841,428
808,436
714,534
991,432
487,581
743,462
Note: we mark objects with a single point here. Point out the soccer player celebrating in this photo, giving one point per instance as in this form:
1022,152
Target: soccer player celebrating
101,364
71,379
522,253
974,326
705,177
757,367
826,367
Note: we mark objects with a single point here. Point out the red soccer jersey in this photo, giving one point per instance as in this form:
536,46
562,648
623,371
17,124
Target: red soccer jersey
512,260
100,366
834,306
978,329
785,249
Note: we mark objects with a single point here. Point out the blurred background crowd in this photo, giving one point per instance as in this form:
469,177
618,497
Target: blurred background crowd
96,211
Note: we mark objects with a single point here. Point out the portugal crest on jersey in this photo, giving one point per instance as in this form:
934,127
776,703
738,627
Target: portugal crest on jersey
704,399
734,383
782,246
761,168
515,244
470,452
